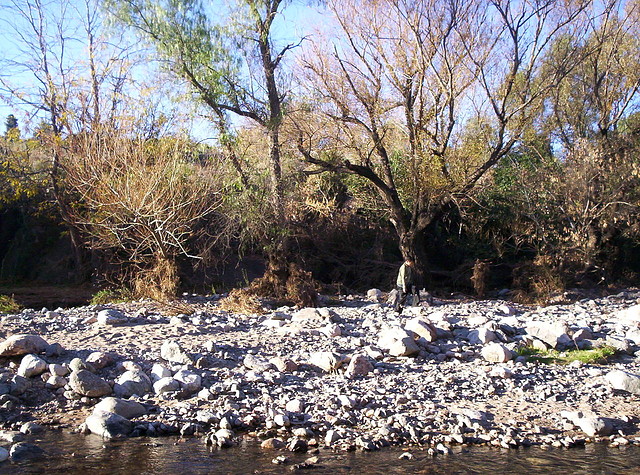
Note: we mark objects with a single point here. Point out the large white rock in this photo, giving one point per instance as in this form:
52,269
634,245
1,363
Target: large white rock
130,383
422,328
358,366
173,352
111,316
398,342
23,344
496,353
553,334
257,364
189,381
624,381
32,365
374,295
88,384
631,314
593,426
108,425
123,407
166,385
326,360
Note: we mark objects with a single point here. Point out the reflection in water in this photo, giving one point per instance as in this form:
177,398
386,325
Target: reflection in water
90,455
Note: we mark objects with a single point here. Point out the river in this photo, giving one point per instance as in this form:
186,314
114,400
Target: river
91,455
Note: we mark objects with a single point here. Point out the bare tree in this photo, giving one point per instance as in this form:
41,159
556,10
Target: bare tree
403,78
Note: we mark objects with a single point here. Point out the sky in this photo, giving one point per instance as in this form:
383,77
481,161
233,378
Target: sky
297,20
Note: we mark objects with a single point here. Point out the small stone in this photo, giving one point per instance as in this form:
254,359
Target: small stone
272,443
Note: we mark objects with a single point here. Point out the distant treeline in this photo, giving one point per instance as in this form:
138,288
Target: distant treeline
494,142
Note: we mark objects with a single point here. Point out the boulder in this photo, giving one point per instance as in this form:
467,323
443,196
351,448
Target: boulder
130,383
295,405
398,342
189,381
358,366
88,384
22,345
374,295
111,316
326,360
422,328
31,365
595,426
284,365
553,334
158,372
481,336
122,407
24,451
99,359
173,352
496,353
257,364
109,425
55,382
624,381
165,385
630,315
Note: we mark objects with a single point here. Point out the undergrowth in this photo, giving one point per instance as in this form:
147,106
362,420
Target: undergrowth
106,296
599,355
8,305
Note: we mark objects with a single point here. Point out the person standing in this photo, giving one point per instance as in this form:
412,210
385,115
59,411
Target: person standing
406,284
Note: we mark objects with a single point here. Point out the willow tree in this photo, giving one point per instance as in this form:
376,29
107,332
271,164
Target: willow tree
232,66
401,79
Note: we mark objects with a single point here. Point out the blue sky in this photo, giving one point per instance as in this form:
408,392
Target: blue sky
297,20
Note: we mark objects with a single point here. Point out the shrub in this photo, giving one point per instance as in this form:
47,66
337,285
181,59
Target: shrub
8,305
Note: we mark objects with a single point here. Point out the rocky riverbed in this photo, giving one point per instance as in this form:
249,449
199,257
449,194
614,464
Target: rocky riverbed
351,374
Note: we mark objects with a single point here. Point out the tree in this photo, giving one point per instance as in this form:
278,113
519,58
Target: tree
403,78
232,68
11,125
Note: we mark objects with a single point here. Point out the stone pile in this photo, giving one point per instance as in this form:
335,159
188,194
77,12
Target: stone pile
354,375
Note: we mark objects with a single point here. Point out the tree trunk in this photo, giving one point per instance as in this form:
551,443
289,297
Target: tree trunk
411,245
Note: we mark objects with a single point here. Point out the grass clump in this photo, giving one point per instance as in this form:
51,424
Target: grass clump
106,296
599,355
9,305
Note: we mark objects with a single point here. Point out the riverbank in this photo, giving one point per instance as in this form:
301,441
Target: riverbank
351,374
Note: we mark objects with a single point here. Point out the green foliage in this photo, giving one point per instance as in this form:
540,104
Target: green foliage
106,296
599,355
8,305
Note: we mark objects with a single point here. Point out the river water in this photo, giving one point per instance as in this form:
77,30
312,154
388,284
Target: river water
91,455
